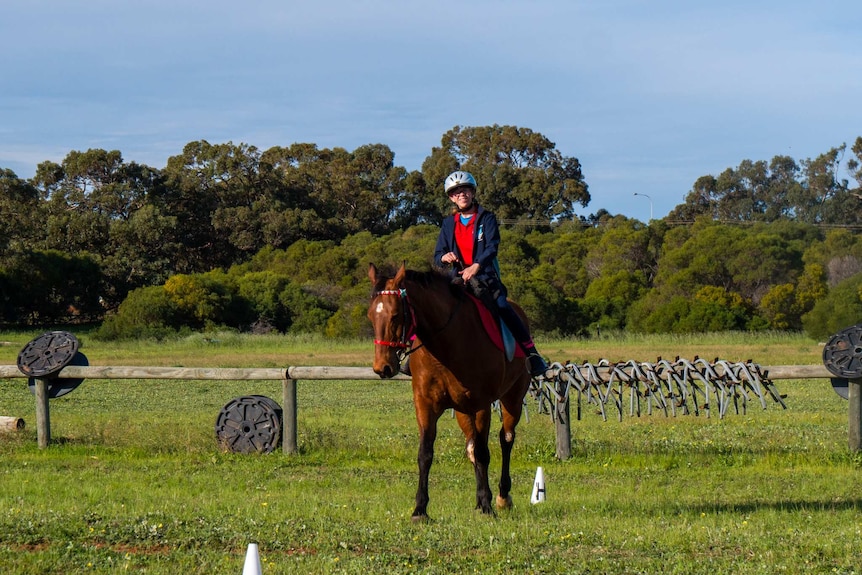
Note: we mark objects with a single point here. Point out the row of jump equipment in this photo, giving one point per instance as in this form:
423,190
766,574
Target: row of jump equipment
54,366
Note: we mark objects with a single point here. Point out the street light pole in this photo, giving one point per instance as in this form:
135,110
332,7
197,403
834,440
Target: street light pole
650,204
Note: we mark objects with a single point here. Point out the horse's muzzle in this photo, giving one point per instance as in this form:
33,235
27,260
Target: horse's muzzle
386,372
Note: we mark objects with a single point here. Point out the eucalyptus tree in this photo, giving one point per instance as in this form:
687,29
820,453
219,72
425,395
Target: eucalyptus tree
825,196
50,286
355,191
753,191
78,217
95,204
19,213
210,191
417,204
701,200
854,164
620,267
521,174
328,194
810,191
19,224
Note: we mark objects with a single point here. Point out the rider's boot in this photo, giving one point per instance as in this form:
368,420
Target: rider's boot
538,365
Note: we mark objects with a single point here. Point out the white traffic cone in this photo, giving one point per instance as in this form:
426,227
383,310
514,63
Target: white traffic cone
252,561
538,487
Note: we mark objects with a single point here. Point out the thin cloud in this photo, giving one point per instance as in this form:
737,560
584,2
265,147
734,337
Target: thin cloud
648,95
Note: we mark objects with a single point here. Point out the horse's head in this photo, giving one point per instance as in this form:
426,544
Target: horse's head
391,319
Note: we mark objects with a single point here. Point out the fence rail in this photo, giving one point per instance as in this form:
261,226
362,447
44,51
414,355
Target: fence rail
290,375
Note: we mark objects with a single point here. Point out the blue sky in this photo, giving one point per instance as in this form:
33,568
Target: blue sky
648,95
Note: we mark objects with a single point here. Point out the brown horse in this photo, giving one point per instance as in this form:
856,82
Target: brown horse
454,364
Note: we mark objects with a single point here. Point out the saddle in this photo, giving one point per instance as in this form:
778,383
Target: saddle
480,294
496,329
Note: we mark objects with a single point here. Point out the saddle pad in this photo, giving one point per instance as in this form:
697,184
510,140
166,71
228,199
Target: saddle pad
499,334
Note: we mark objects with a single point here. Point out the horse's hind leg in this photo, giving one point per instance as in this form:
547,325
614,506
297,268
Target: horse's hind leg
507,441
476,429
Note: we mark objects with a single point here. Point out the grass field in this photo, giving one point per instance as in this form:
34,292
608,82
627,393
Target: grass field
134,481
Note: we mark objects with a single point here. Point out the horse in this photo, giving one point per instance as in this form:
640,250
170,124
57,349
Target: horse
454,364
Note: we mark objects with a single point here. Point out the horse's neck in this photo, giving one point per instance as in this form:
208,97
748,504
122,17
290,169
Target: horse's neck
434,309
449,327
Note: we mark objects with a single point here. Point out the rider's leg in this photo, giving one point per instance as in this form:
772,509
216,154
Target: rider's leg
494,294
519,330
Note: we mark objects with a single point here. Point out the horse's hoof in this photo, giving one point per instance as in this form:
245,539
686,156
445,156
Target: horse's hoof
504,502
420,519
486,511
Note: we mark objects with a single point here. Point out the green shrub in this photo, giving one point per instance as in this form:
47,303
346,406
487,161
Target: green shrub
307,313
49,286
841,308
199,300
146,312
261,292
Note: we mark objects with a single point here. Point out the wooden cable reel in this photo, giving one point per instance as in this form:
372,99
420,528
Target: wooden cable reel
45,356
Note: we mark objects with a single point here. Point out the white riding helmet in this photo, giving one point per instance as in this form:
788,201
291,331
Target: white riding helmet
458,179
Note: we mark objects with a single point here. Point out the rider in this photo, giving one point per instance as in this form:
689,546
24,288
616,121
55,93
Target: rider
469,240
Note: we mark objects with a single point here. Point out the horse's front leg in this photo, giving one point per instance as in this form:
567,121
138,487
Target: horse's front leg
475,428
427,421
512,410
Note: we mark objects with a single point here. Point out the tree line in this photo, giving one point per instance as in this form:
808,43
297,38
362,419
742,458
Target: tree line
229,235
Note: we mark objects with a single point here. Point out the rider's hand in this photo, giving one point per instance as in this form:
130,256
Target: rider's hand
469,272
449,258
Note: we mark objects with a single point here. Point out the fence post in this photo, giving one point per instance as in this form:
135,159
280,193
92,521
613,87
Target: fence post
289,416
854,396
43,413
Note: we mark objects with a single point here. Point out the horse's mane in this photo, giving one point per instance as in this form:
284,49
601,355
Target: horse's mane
436,277
427,278
423,278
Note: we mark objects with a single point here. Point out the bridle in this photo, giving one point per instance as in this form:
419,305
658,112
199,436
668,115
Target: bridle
408,331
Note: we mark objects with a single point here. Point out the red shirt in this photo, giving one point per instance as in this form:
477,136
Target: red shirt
464,238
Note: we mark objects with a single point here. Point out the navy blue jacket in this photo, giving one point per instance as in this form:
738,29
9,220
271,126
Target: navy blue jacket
486,242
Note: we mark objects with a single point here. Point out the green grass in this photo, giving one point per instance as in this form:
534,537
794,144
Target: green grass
134,482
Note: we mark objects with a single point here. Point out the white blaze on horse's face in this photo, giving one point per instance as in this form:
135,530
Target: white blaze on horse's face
379,307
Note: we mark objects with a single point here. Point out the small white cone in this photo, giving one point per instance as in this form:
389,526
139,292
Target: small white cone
538,487
252,561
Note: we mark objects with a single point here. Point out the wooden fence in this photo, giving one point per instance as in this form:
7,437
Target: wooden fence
288,377
291,375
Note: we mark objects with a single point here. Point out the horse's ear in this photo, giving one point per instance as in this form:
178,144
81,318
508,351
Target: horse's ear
402,271
372,273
